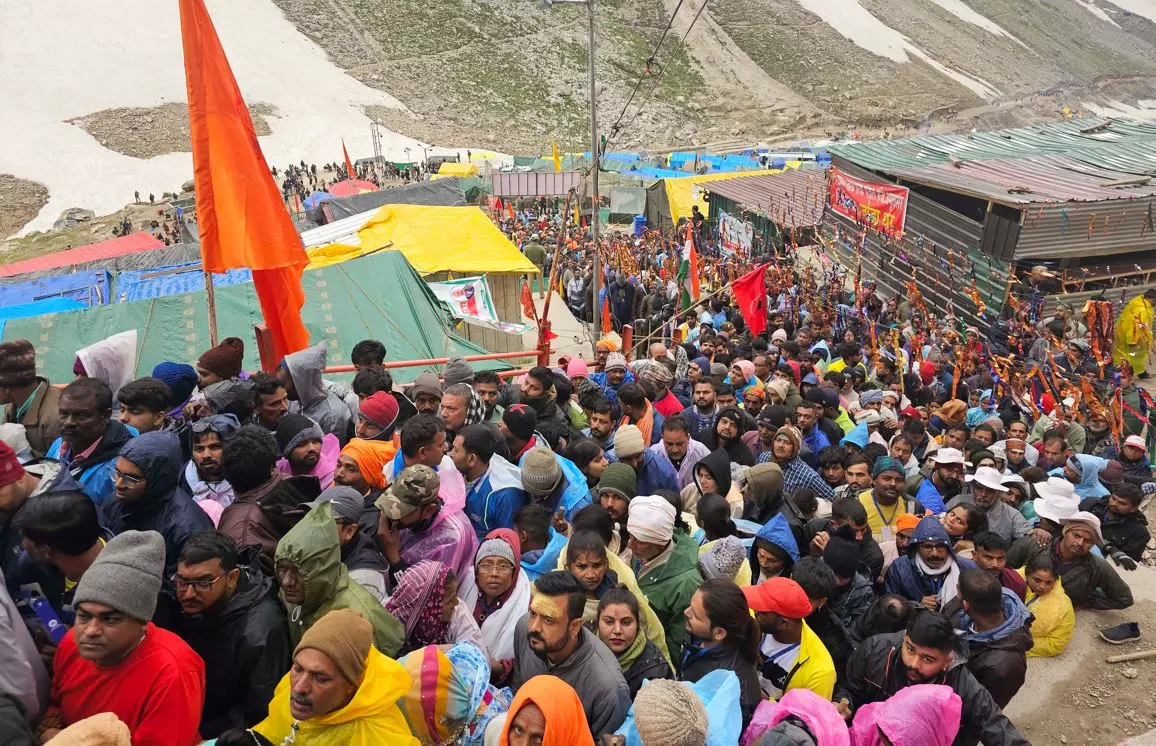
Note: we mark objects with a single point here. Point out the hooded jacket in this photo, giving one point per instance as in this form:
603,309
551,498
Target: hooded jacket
326,465
718,463
372,717
493,498
94,472
313,399
997,657
904,578
313,548
1128,533
776,531
245,648
763,493
165,507
670,586
592,670
736,450
875,672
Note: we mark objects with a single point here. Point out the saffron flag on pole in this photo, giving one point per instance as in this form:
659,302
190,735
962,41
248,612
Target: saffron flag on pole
750,292
606,324
349,172
687,277
242,218
557,157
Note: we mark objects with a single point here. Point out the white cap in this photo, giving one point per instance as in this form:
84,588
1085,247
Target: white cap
1136,442
947,456
1069,401
1057,499
870,416
989,478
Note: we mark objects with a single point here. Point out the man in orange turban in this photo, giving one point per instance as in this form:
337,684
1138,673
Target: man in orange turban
361,466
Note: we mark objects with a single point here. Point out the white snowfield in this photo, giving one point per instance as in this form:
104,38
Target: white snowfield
63,59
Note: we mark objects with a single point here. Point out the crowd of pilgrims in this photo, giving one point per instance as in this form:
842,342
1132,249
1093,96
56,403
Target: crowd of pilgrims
784,539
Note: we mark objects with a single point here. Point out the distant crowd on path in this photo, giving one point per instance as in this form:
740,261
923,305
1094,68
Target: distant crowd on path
799,536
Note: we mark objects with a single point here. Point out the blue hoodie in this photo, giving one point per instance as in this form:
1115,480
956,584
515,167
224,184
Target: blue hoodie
538,562
859,436
904,579
1015,614
776,531
1089,485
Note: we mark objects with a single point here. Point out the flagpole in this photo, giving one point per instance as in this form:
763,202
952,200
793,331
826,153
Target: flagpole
700,302
211,295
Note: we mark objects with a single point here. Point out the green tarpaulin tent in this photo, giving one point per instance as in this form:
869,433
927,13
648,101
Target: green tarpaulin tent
378,296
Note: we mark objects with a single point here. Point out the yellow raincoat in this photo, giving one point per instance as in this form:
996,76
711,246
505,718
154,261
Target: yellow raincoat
1133,340
371,718
1055,621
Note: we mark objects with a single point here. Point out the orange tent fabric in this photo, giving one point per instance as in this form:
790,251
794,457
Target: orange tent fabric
243,221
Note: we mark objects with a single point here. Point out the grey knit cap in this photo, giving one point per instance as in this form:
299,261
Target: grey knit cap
495,548
540,472
126,575
457,370
669,713
723,559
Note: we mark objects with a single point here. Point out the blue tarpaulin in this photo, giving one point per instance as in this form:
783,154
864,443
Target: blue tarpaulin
37,308
313,200
172,280
90,288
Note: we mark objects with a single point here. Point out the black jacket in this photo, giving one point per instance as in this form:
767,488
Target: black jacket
1128,533
246,652
649,665
870,555
999,665
875,671
695,664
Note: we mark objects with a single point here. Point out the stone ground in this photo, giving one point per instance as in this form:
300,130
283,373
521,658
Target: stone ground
153,131
20,201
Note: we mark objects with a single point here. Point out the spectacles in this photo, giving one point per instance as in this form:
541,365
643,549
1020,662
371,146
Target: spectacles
197,585
496,568
129,478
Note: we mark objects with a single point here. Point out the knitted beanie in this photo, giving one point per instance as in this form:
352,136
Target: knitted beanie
540,472
295,429
457,370
520,420
669,713
577,368
11,471
615,360
345,637
724,558
225,359
620,479
126,575
842,556
495,548
628,441
17,364
887,463
793,434
180,377
380,408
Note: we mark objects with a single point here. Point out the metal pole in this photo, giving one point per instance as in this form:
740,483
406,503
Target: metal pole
595,202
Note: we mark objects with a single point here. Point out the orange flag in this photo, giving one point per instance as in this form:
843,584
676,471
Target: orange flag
243,221
606,325
350,173
528,302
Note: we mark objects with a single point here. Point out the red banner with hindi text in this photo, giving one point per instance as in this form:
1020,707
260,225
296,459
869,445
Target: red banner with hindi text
881,206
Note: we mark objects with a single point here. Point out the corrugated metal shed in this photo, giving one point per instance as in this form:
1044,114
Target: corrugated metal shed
792,199
1028,180
114,247
553,184
1118,144
1087,230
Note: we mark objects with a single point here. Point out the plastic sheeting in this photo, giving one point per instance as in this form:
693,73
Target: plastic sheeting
443,239
137,285
89,288
682,194
444,192
375,297
166,255
627,201
37,308
457,169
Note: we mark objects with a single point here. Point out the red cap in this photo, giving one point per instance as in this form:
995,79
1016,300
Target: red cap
10,469
911,412
380,408
781,596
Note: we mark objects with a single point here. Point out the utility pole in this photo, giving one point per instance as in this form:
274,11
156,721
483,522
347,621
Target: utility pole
595,157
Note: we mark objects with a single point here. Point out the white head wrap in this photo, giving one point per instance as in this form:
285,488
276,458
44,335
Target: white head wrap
651,519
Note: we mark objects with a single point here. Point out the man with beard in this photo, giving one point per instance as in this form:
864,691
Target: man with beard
944,482
1100,441
539,394
426,393
929,573
306,450
654,473
359,553
360,467
926,653
603,421
270,401
551,639
678,449
701,415
230,617
1056,451
89,438
612,376
204,475
487,384
987,487
1090,581
793,656
857,475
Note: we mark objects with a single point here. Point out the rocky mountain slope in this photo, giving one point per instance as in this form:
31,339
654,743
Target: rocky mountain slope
508,74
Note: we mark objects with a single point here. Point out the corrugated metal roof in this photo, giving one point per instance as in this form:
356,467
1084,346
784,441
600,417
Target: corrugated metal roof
113,247
793,199
1026,180
552,184
1119,144
1078,230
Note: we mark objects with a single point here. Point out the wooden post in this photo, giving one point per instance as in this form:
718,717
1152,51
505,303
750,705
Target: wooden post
212,307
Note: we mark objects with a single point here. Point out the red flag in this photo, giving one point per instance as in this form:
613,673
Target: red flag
349,172
751,297
242,219
606,326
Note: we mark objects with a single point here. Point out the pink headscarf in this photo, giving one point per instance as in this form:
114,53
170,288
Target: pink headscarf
748,369
920,715
417,603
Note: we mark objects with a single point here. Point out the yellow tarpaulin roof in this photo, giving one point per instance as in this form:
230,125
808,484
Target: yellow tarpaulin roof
443,239
681,193
457,169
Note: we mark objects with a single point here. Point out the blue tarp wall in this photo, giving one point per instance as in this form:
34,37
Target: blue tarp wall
38,308
136,285
90,288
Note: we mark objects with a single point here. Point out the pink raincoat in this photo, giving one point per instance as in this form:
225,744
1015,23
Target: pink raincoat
920,715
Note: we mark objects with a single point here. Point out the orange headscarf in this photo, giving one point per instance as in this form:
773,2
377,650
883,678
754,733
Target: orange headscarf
371,457
560,706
